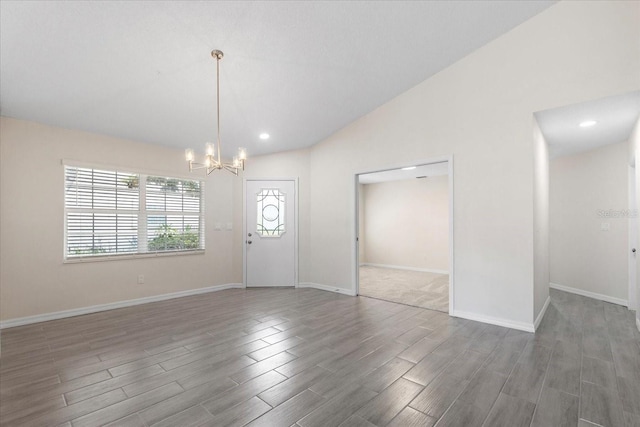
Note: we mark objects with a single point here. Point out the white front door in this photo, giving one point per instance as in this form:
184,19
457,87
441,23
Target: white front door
270,227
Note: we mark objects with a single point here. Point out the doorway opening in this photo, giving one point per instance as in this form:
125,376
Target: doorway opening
592,197
404,235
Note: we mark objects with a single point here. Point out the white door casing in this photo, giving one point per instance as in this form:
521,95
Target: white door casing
356,234
270,241
633,240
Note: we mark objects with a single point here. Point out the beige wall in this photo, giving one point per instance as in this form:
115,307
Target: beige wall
540,220
33,278
479,110
583,256
406,223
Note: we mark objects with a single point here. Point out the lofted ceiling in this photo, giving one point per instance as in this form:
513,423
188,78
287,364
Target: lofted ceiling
297,70
614,117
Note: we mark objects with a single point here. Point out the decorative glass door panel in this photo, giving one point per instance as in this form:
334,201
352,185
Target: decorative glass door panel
271,212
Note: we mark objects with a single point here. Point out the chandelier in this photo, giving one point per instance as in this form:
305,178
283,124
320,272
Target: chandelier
213,159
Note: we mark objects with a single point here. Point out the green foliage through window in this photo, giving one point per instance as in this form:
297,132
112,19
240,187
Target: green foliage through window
168,238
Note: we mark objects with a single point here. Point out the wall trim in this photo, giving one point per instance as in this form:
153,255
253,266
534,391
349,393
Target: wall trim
401,267
593,295
521,326
542,312
327,288
20,321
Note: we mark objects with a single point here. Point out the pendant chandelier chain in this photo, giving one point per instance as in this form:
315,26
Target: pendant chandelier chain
218,101
213,157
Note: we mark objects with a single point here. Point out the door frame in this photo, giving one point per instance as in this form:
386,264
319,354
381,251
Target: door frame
632,297
356,250
244,226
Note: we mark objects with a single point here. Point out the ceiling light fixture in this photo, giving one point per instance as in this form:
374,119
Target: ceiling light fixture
587,123
409,168
264,136
212,160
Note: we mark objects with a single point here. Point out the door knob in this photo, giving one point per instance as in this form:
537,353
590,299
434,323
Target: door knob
248,242
633,250
249,234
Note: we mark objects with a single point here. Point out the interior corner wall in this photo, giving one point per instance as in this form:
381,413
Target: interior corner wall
587,190
33,278
478,110
540,220
406,223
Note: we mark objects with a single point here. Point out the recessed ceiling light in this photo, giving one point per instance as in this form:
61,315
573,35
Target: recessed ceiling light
587,123
408,168
264,136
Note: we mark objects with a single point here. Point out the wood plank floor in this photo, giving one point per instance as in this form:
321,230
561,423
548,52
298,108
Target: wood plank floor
285,357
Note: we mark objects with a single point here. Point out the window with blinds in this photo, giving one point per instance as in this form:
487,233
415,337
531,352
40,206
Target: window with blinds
173,214
118,213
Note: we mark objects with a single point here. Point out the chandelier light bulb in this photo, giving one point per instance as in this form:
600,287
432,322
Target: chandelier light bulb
188,154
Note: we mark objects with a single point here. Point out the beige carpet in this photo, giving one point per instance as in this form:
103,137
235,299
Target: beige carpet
417,288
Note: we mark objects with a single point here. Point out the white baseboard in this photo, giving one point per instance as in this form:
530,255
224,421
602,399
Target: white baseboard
401,267
521,326
542,312
326,288
528,327
589,294
20,321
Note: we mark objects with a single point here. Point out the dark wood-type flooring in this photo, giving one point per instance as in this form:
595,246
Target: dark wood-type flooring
287,357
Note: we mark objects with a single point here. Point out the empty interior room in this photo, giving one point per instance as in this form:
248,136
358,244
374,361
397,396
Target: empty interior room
403,235
319,213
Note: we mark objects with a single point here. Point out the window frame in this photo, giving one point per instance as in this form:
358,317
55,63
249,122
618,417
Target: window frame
142,214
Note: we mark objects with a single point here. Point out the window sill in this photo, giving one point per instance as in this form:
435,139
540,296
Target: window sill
82,260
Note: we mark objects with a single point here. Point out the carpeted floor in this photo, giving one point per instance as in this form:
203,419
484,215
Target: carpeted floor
417,288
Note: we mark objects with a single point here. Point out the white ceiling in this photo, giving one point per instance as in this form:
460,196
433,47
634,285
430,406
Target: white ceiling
298,70
433,169
615,117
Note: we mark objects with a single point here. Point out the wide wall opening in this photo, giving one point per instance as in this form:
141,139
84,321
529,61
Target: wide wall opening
404,225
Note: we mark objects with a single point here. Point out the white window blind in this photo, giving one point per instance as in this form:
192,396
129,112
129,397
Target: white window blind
173,214
104,214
